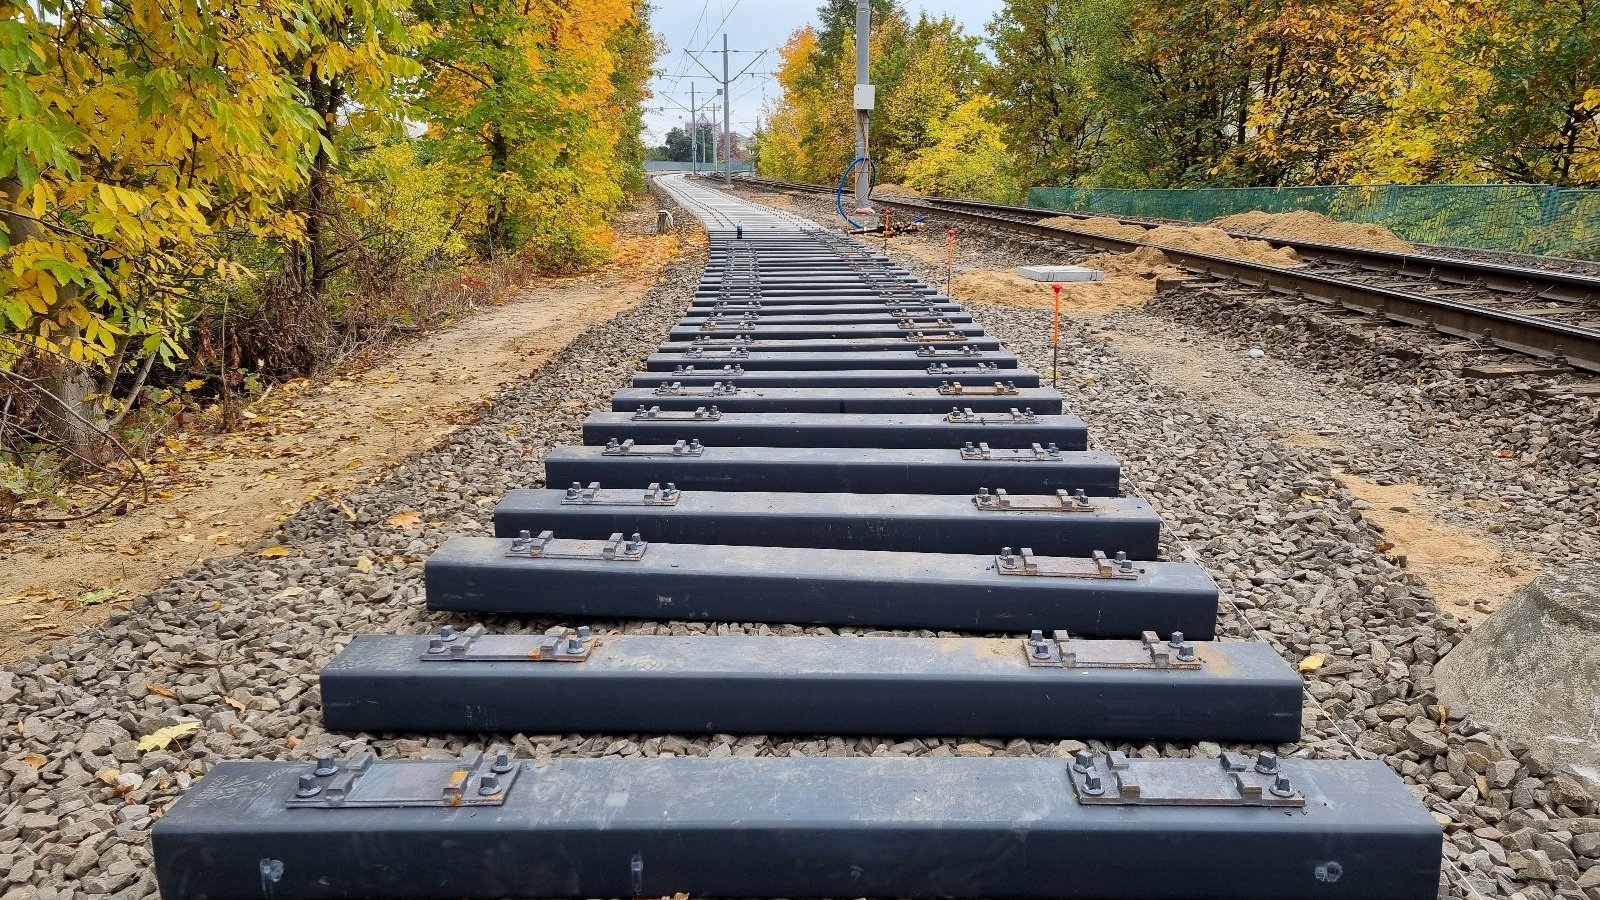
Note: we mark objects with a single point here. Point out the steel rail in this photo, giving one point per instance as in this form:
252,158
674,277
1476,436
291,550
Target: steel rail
1533,283
1573,345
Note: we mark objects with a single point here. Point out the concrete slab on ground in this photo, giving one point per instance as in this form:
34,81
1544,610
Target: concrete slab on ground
1060,273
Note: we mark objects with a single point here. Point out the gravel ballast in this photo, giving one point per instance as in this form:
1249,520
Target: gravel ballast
236,644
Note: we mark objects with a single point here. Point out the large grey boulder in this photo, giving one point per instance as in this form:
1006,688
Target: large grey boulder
1532,669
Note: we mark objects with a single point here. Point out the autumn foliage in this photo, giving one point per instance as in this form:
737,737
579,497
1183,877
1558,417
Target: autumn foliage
934,129
1204,93
194,193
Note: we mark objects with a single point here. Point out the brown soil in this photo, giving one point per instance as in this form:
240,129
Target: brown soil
307,440
1196,238
1310,226
1456,563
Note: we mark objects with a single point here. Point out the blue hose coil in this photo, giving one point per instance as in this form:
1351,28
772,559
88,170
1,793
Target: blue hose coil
872,180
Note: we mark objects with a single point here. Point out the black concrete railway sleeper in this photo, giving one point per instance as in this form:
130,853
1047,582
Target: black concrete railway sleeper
781,305
1057,524
1047,685
886,315
1015,429
761,331
994,395
764,309
487,827
1037,469
629,577
938,339
936,375
927,358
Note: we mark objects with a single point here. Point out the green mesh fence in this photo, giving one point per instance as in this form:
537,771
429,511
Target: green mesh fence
1517,218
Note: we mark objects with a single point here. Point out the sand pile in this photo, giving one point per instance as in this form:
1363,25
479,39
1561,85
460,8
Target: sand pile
1309,226
1195,238
1098,225
1145,262
1205,239
1130,281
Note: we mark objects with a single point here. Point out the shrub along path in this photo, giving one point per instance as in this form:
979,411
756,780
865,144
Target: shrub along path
216,495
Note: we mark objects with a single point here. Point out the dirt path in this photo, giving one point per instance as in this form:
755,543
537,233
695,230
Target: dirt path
220,494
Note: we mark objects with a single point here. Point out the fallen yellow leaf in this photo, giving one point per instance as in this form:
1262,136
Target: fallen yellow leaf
364,564
408,520
1314,661
162,690
274,552
90,598
35,760
161,737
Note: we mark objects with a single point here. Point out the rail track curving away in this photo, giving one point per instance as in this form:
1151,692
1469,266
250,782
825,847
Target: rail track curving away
1548,314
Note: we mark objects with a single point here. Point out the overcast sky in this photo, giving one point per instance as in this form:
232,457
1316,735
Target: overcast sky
750,25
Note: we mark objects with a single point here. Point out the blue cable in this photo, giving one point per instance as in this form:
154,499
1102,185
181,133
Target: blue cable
872,179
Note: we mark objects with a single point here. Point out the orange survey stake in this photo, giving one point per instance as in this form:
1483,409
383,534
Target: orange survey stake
1055,338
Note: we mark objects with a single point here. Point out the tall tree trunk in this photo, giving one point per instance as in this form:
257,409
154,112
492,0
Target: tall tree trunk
75,420
496,237
306,265
320,186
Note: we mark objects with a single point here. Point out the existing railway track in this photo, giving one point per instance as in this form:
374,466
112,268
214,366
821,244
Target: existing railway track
1551,315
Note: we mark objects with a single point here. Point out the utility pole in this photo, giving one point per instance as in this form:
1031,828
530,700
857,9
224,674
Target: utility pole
694,133
727,129
725,138
864,96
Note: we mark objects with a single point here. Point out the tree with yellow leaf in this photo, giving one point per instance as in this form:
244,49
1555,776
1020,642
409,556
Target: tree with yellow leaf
922,71
530,102
969,159
138,134
1538,117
